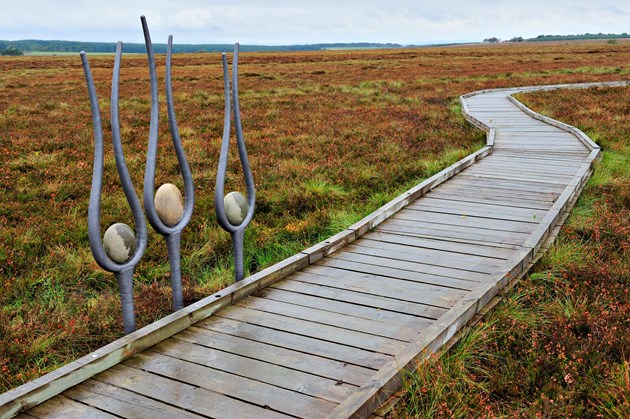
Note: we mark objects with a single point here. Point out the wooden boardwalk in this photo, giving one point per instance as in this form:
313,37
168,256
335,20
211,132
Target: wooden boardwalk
326,332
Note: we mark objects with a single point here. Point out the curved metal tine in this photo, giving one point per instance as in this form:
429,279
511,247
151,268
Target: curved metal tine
94,209
172,234
121,165
219,190
189,187
240,141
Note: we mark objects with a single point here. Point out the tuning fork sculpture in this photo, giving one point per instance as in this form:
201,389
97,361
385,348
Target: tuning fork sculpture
167,211
233,211
120,250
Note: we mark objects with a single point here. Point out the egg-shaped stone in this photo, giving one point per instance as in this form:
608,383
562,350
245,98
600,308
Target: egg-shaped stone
169,204
235,207
119,242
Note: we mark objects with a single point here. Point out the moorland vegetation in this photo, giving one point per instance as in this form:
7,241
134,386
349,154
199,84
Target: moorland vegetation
331,136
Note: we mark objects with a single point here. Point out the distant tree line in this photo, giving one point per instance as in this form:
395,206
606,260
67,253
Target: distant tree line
9,49
30,45
543,38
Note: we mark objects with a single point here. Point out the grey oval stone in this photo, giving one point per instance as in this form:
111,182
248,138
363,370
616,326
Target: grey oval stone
169,204
235,207
119,242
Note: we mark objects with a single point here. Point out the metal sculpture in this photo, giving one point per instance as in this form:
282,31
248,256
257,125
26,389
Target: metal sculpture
165,211
239,211
120,251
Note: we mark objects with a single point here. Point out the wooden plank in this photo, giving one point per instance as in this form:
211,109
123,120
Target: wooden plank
391,318
479,182
492,199
179,392
486,189
232,386
382,304
340,372
464,262
458,221
330,318
335,351
61,407
486,250
258,371
462,233
504,196
305,328
369,283
429,278
489,212
123,403
433,201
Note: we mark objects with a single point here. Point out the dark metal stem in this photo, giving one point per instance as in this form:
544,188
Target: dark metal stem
237,245
125,286
173,244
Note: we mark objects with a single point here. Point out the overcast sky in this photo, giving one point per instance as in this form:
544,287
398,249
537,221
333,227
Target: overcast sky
298,22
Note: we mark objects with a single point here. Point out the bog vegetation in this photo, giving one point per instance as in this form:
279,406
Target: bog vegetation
331,136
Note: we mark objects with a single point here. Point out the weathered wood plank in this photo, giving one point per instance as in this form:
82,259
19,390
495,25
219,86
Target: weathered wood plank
246,390
43,388
433,201
459,221
335,351
259,371
61,407
321,331
380,303
338,371
369,283
432,276
491,213
123,403
330,318
460,233
391,318
427,256
437,245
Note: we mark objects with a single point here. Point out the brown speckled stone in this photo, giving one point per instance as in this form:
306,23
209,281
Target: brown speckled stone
169,204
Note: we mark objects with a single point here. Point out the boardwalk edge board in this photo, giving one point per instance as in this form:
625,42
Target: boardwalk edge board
43,388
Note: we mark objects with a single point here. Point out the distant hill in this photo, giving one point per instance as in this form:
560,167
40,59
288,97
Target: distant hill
31,45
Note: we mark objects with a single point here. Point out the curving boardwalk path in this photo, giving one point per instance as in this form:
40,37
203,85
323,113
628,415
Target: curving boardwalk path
326,332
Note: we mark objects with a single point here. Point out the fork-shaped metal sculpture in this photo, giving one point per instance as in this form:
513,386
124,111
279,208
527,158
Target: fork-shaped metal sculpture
120,251
165,211
239,212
